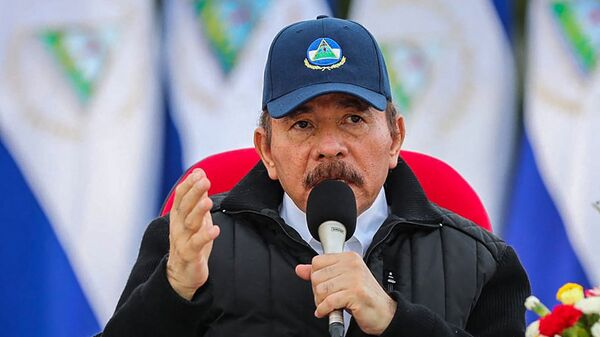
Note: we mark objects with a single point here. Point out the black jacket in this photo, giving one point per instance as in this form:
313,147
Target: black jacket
449,276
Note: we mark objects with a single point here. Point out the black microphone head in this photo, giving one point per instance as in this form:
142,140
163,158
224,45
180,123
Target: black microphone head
331,200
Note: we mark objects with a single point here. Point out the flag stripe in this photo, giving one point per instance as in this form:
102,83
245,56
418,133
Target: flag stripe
504,9
537,232
40,292
172,158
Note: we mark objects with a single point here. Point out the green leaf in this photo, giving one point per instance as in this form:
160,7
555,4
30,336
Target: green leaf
592,318
575,331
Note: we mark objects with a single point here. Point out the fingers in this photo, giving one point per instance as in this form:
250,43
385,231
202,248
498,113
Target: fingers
328,266
190,205
303,271
198,191
202,237
332,302
323,289
330,273
191,235
185,186
194,244
324,267
197,215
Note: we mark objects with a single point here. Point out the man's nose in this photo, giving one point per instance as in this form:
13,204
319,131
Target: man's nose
330,145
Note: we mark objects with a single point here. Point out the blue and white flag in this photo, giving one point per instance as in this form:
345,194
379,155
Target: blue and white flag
217,51
452,76
554,222
79,139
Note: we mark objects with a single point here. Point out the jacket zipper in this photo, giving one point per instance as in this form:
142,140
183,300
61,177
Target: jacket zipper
376,244
388,281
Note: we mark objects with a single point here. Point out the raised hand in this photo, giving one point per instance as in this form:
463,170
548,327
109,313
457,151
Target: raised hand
191,235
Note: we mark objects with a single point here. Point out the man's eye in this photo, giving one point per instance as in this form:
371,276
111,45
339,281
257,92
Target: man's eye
301,124
355,119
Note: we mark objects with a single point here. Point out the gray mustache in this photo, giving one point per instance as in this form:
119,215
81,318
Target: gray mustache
336,170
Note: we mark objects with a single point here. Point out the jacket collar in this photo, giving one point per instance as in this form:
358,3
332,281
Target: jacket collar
407,200
406,196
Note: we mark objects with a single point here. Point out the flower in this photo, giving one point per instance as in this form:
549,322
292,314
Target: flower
570,293
589,305
595,330
575,316
562,317
533,330
592,292
532,303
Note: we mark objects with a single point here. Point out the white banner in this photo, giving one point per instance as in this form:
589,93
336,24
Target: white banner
452,76
78,112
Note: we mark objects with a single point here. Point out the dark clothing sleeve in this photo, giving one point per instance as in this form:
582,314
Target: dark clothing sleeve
149,306
499,312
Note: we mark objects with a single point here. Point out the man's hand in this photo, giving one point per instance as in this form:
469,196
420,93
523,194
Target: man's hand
343,281
191,235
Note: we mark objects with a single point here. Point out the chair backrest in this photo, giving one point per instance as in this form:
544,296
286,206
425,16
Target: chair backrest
441,183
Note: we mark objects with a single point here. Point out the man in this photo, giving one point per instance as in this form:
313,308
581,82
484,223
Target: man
244,264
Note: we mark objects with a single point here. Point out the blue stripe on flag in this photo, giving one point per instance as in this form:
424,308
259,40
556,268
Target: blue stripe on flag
537,232
39,293
504,9
172,157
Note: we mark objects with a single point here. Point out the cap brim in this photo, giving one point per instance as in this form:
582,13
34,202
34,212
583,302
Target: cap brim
285,104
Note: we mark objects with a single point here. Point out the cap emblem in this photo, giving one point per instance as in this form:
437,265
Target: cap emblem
324,54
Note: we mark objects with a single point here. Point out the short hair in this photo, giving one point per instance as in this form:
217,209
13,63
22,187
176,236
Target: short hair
391,113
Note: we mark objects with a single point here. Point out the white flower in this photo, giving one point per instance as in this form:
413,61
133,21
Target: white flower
589,305
533,330
595,329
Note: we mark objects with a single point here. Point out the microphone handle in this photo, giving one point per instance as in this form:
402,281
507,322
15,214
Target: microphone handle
332,235
336,323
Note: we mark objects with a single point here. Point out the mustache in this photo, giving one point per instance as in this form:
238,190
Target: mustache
333,170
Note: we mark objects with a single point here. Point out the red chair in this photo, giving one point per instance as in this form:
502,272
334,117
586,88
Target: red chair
442,184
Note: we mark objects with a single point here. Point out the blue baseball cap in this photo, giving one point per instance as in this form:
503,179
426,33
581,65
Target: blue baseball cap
327,55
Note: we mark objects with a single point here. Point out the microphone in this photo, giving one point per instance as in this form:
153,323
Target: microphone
331,219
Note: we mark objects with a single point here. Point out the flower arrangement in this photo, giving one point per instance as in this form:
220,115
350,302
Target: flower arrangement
577,315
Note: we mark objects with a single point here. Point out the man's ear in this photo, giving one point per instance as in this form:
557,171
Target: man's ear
397,140
262,144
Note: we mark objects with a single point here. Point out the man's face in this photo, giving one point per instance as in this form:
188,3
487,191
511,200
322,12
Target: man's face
333,136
